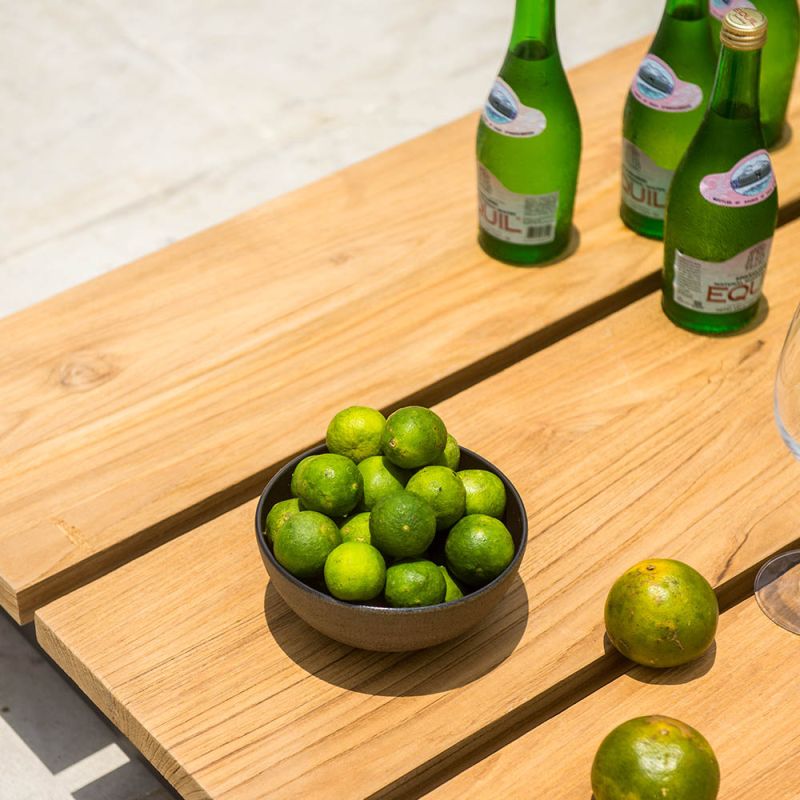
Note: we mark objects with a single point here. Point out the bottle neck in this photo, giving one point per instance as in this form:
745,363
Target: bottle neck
533,36
735,93
686,9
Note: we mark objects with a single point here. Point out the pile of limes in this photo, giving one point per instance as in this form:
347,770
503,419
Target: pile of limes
386,512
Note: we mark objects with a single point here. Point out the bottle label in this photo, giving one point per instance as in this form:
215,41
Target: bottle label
506,114
721,287
748,182
719,8
644,183
512,217
656,85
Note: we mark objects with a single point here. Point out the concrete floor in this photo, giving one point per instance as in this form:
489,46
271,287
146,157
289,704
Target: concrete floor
131,123
53,745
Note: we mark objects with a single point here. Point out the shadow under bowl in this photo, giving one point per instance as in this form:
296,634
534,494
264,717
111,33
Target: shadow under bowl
379,627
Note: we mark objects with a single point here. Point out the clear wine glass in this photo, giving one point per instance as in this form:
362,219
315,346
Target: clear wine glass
777,587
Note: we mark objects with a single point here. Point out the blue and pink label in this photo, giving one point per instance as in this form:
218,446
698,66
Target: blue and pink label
748,182
505,113
656,85
719,8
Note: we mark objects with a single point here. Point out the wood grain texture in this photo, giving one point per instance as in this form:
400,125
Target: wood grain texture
630,439
127,402
742,696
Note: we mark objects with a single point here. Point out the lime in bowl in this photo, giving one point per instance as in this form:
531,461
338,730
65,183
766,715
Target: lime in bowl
374,624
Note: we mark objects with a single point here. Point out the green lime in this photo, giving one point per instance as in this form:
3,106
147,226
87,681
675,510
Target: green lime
328,483
301,468
451,455
414,583
652,758
441,488
278,515
402,524
661,613
453,590
380,477
478,549
356,529
356,433
413,437
355,571
486,493
304,542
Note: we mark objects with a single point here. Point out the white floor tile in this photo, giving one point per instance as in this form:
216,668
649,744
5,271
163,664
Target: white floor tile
98,124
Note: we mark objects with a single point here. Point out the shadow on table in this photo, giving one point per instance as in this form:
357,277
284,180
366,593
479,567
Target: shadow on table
677,675
572,246
436,669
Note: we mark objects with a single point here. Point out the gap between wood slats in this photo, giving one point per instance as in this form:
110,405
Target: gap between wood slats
469,751
250,487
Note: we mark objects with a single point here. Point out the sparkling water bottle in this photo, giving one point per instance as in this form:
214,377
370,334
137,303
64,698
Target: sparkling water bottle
528,146
723,203
778,61
663,111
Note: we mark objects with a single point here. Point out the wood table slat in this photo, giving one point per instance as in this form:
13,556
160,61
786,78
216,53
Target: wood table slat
630,439
149,398
742,696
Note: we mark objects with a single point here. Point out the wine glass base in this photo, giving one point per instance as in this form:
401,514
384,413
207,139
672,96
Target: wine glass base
777,590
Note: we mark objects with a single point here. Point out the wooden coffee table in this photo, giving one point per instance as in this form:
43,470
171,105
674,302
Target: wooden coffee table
146,409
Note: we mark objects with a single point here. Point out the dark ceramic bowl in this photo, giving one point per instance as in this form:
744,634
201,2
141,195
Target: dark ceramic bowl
378,627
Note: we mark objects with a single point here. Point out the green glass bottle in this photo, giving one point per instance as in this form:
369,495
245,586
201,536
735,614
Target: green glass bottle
723,203
528,146
778,61
663,111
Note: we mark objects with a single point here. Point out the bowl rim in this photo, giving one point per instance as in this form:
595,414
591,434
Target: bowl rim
471,597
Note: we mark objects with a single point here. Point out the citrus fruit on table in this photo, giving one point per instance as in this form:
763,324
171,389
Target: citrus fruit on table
441,488
304,542
451,455
486,493
356,529
661,613
380,478
301,467
356,432
355,571
452,589
402,525
414,583
655,758
278,514
413,437
328,483
478,549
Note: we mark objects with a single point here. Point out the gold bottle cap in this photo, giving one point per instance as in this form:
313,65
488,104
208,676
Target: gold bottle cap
744,29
